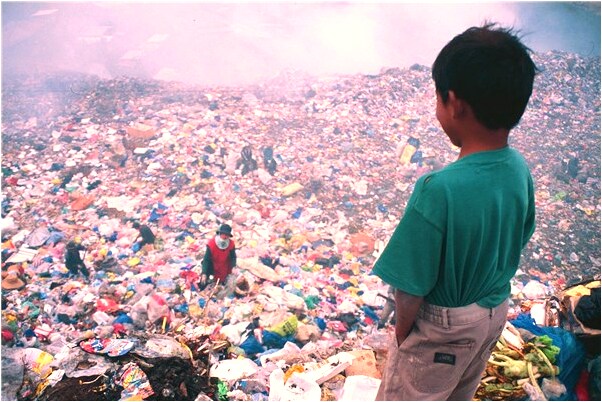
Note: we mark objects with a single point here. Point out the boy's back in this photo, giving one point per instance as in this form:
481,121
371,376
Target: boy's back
478,210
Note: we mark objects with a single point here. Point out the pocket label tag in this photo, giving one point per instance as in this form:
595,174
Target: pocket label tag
445,358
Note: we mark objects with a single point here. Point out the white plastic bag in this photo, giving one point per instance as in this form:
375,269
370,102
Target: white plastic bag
360,385
231,370
288,351
297,388
534,290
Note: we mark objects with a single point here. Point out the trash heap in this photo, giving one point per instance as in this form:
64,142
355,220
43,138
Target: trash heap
550,350
313,174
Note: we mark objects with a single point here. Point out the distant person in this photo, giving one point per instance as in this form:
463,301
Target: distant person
220,257
573,167
73,259
268,160
145,235
246,160
458,245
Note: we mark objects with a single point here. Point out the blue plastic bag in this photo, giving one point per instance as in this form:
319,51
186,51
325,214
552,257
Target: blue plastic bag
320,323
370,313
123,319
274,340
251,346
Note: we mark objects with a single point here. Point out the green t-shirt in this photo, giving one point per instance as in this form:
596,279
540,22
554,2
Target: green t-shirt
464,228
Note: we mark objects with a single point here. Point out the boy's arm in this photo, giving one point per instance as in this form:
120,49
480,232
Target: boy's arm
406,309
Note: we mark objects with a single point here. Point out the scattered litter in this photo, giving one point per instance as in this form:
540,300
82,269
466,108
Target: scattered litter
298,320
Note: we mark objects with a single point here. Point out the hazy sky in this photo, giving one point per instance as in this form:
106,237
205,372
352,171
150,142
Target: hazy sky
241,42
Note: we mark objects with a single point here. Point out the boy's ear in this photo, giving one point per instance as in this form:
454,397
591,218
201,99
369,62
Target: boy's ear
457,105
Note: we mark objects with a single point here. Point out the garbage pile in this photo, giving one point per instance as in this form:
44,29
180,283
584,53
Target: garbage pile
550,350
312,174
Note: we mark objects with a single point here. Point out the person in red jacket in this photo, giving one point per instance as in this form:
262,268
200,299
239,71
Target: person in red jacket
220,256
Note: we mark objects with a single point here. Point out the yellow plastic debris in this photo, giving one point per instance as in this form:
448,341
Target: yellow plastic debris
291,189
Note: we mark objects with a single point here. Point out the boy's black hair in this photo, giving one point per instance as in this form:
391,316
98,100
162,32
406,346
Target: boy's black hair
491,70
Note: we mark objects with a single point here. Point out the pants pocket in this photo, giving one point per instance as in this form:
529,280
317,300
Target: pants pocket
440,366
396,374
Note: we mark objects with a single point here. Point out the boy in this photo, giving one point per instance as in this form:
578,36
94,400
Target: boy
454,252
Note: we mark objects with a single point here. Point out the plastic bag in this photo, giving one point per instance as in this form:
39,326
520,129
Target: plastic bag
534,290
570,359
552,389
38,361
362,385
251,346
233,332
287,327
283,297
289,352
274,340
233,369
162,346
534,393
297,388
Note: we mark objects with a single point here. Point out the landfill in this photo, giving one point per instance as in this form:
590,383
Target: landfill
313,174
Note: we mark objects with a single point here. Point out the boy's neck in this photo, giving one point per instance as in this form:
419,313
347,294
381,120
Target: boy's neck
467,131
482,139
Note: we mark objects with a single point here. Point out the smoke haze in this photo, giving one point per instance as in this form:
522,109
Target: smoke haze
241,43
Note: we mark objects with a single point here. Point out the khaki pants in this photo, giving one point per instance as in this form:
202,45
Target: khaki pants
444,355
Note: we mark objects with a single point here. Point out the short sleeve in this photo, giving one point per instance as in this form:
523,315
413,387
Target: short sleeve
410,262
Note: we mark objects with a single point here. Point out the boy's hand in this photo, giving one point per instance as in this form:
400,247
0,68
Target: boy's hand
400,338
